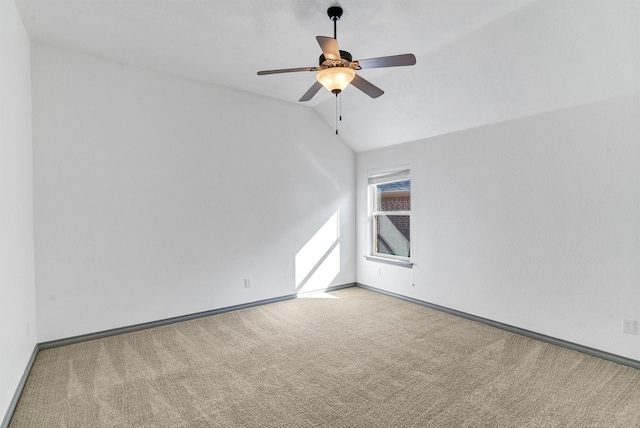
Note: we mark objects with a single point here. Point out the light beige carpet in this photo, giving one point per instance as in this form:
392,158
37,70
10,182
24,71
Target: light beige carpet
360,359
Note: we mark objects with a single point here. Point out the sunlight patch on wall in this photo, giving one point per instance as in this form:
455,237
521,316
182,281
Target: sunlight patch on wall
318,262
326,272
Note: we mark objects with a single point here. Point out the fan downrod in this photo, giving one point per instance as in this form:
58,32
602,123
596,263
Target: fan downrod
335,12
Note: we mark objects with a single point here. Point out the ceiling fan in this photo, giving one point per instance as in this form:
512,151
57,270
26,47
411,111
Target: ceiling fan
337,68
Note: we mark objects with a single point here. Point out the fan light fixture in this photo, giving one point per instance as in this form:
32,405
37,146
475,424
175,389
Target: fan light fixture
335,79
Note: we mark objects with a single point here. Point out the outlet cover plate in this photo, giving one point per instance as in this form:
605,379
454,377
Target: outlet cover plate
629,326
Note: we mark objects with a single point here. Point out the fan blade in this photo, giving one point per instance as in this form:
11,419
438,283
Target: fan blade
311,92
329,47
367,87
387,61
287,70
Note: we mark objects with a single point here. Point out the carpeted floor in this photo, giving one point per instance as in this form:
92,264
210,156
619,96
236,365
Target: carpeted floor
358,359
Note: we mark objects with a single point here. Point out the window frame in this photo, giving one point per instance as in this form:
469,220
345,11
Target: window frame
375,180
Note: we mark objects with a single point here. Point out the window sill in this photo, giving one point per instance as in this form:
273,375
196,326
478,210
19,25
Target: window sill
395,262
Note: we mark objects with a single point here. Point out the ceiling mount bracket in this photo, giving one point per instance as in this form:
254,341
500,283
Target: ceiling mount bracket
334,12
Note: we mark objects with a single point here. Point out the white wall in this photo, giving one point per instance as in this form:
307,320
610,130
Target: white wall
533,222
17,290
156,196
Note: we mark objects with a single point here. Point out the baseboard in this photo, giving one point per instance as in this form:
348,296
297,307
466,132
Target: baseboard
144,326
329,289
527,333
16,395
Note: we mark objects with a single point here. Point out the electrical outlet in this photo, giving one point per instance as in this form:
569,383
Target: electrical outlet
629,326
378,271
247,283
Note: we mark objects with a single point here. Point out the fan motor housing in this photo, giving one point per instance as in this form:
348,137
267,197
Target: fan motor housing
345,57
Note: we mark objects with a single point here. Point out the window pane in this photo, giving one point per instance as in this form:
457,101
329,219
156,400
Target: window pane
394,196
392,235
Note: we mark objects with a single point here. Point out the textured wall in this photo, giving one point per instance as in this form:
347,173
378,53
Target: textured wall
531,222
157,196
17,299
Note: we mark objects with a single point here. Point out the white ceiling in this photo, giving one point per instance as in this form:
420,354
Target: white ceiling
478,61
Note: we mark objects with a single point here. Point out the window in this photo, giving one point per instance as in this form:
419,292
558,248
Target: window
390,216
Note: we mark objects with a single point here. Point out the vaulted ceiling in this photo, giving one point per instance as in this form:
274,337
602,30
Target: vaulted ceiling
478,61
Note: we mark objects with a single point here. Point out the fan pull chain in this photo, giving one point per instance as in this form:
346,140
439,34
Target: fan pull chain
337,114
338,110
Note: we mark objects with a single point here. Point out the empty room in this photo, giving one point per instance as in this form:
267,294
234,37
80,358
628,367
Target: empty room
315,213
